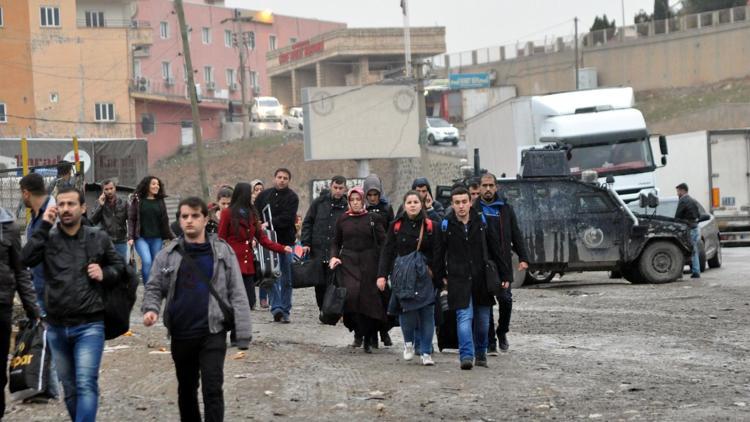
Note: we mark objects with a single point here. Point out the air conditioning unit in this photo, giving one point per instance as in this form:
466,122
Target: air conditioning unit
142,84
210,86
234,86
169,81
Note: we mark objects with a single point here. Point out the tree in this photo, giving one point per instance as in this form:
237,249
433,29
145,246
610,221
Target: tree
642,17
602,23
700,6
661,10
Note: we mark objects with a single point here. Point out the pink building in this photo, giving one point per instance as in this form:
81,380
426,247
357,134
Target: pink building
159,77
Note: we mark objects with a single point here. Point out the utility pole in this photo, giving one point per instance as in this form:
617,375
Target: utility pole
622,25
575,49
407,40
241,44
193,98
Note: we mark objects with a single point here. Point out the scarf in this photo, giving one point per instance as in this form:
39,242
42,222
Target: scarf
361,193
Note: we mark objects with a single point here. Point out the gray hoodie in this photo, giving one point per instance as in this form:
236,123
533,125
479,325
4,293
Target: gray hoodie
373,182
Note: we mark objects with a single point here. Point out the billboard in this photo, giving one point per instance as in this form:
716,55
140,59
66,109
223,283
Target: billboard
361,122
469,80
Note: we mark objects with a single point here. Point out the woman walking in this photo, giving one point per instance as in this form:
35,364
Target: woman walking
355,248
148,222
239,225
257,186
407,257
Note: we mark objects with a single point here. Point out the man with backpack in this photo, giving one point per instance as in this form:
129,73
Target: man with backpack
78,262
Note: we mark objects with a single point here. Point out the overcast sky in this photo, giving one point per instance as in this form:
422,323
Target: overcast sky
470,24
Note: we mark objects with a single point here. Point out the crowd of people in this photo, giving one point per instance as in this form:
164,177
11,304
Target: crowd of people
399,269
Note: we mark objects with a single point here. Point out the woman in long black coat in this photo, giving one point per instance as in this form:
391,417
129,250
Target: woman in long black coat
355,252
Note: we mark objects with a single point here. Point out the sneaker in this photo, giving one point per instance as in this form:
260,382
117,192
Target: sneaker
466,364
502,341
408,351
695,275
285,319
264,303
386,339
357,343
492,350
481,361
277,317
427,360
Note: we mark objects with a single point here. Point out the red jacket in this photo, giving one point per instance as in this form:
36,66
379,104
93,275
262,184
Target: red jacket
241,240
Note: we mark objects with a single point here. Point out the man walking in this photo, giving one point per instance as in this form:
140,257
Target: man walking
78,261
434,209
283,203
111,214
318,229
687,209
501,217
197,313
460,264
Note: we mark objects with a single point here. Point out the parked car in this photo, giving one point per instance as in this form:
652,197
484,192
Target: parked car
266,109
710,245
438,130
294,119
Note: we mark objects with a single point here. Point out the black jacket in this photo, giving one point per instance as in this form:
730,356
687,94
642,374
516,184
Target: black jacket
687,209
13,275
405,242
113,219
71,297
320,223
460,260
134,219
284,204
510,236
384,210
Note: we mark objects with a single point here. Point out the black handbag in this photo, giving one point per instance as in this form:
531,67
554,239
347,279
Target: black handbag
491,273
119,300
306,272
333,302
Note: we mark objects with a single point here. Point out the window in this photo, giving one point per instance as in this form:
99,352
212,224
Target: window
253,78
1,16
3,115
292,40
148,123
250,40
208,74
164,30
206,35
137,68
166,71
272,42
50,16
104,112
228,38
94,19
592,204
230,77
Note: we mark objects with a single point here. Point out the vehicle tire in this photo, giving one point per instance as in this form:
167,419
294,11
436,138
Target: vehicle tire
301,127
430,139
538,277
286,125
715,261
454,143
702,256
661,262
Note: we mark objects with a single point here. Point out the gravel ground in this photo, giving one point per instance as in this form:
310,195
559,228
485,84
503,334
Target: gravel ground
583,347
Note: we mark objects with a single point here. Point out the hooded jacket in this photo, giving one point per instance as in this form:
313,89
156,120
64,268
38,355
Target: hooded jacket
502,218
383,207
13,275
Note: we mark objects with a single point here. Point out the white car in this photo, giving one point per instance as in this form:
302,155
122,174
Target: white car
266,109
438,130
294,119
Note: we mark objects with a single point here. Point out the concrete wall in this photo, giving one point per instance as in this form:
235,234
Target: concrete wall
439,165
332,74
17,81
281,87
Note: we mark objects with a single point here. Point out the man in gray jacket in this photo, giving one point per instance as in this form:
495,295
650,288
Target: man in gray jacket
198,315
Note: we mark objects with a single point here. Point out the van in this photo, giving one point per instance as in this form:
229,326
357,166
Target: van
266,109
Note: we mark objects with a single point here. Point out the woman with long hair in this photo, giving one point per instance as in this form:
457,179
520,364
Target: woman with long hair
258,187
239,225
148,222
356,249
407,258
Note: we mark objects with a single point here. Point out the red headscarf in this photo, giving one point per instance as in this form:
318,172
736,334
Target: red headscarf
357,190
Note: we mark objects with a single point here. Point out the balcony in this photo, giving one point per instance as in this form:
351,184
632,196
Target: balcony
172,90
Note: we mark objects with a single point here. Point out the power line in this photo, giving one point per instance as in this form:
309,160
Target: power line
81,122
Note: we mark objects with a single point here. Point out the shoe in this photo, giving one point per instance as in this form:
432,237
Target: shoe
38,399
492,350
502,342
466,364
408,351
427,360
386,339
695,275
357,343
285,319
481,361
367,347
264,303
277,317
374,342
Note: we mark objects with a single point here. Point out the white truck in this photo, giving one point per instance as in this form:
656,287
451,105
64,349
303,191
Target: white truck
604,130
715,164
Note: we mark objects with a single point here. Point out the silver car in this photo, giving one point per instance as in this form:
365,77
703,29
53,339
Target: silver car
710,244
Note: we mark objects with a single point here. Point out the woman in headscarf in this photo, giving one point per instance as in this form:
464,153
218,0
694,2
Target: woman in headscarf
355,250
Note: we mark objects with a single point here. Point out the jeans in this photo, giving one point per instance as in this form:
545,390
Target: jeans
77,350
419,324
262,294
281,292
472,324
122,249
695,237
147,248
200,361
505,308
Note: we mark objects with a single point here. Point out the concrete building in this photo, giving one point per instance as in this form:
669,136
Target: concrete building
17,83
344,57
159,82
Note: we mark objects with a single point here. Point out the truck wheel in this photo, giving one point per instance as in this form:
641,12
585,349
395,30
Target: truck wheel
661,262
702,256
715,262
538,277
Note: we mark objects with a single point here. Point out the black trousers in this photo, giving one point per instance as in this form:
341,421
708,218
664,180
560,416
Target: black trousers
505,308
320,288
200,361
249,282
6,314
367,328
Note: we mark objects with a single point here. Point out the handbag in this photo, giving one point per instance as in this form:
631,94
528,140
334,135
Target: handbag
29,367
405,272
226,310
306,272
119,300
333,302
491,273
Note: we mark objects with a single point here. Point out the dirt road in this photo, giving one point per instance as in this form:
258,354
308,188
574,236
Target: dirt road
584,347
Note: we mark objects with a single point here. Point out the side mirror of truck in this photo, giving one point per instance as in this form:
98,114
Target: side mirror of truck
664,160
663,145
653,200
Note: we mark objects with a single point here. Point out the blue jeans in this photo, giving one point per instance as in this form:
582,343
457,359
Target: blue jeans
122,249
418,327
473,323
78,352
147,248
281,292
695,237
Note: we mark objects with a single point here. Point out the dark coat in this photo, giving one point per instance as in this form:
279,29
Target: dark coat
357,243
14,277
241,240
113,218
460,260
284,204
134,220
687,209
501,215
71,297
403,243
384,210
320,223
